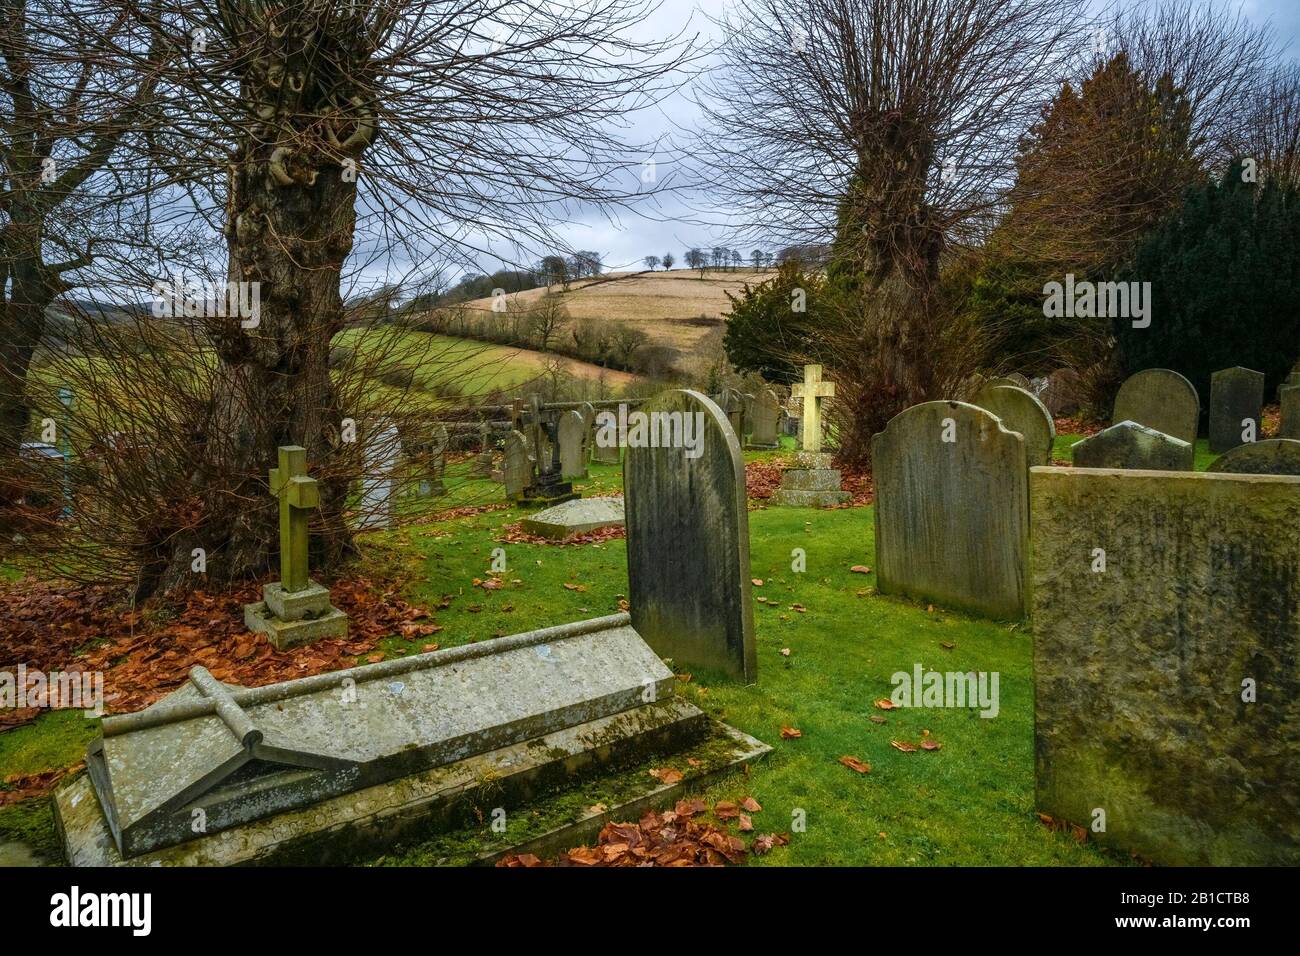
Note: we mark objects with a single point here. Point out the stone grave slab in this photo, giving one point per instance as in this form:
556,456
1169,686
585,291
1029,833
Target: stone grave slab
1161,399
1236,400
1273,456
1021,412
688,543
244,754
952,509
1130,445
575,517
1164,631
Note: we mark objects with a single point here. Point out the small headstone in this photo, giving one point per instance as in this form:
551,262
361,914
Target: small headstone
1274,456
437,465
688,543
576,517
572,435
812,390
1236,398
732,404
294,610
952,509
588,413
482,467
516,465
1130,445
604,450
1161,399
382,456
765,415
1289,396
1021,412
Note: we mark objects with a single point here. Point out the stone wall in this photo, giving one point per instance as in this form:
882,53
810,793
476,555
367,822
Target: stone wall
1139,662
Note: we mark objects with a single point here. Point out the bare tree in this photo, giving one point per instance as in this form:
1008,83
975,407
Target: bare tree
324,138
545,321
669,261
652,263
1272,134
72,99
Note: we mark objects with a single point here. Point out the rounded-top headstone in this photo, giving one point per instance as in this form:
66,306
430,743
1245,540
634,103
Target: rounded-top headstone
688,536
1275,456
952,508
1021,412
1162,399
1130,445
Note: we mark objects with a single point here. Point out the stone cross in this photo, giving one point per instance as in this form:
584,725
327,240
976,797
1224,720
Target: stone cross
297,492
812,390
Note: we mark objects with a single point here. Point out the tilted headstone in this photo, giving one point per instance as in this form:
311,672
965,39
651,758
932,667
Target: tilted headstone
1273,456
812,390
383,454
516,465
1289,396
688,541
1236,399
294,610
1165,641
572,433
951,509
1161,399
1022,412
1130,445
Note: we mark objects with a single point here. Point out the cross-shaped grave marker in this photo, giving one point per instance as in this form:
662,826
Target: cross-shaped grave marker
297,493
812,390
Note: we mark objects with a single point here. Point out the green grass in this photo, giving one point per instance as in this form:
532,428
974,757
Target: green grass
969,803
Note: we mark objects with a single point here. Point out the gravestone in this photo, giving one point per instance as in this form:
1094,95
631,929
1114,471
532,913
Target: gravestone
482,467
732,404
1289,396
1236,398
1021,412
1130,445
547,486
997,382
516,465
437,462
1273,456
765,415
688,544
1018,380
382,456
951,510
575,517
294,610
812,390
1165,641
1161,399
572,435
588,413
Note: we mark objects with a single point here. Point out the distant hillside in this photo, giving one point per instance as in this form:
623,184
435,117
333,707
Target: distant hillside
677,309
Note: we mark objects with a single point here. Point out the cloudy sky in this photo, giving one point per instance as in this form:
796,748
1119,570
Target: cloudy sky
676,223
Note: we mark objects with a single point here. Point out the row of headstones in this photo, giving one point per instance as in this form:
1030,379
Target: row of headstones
1160,602
1157,412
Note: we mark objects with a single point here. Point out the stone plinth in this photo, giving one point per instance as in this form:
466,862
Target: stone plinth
811,483
293,618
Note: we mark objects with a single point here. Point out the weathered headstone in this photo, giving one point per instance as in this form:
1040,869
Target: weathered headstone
483,461
1165,636
516,465
383,454
1063,392
1018,380
1130,445
576,517
294,610
688,543
732,404
1236,399
812,390
1161,399
1289,396
572,435
951,509
765,415
1021,412
1273,456
437,461
588,413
